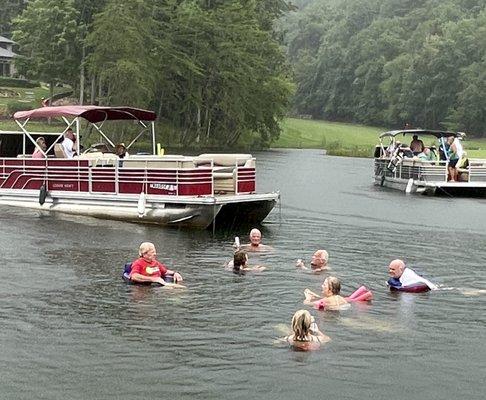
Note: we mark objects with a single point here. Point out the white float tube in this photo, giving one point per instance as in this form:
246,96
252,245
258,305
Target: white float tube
141,205
408,190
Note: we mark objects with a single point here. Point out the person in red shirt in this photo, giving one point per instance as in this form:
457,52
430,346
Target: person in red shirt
147,269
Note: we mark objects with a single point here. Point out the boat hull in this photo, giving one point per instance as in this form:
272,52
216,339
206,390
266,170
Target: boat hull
184,211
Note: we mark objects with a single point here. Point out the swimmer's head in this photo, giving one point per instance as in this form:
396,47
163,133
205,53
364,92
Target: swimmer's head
301,322
147,251
240,259
255,237
331,286
396,268
320,259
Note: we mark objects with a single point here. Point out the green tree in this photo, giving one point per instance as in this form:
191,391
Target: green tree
9,10
46,33
123,52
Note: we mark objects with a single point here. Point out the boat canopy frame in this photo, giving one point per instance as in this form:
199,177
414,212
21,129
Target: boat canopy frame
440,135
95,115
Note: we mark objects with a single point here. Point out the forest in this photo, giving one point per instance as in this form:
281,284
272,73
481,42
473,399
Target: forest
390,62
217,70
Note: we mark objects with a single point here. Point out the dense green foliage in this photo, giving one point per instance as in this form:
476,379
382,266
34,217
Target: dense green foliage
15,82
391,62
212,69
9,9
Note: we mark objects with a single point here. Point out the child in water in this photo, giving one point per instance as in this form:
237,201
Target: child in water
306,334
331,297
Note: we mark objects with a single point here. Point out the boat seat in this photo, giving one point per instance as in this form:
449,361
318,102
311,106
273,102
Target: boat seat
59,151
224,160
99,159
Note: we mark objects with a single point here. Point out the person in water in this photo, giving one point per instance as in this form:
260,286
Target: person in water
401,275
240,263
147,269
255,242
331,289
318,263
306,334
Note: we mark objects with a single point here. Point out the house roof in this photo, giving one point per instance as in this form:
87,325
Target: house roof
6,53
3,39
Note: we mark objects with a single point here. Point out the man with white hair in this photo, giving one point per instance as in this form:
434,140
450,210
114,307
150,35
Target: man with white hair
255,242
68,144
318,263
147,269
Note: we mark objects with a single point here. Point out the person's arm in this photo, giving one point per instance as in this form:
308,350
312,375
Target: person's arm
165,271
300,264
310,297
254,268
137,277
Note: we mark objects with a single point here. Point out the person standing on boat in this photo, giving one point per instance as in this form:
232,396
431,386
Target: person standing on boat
416,145
455,154
68,144
318,263
41,144
407,276
147,269
255,242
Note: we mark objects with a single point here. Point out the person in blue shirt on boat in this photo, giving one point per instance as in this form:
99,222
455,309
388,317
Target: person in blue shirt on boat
406,279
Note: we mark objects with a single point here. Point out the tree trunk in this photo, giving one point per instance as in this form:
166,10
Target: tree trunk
93,89
81,76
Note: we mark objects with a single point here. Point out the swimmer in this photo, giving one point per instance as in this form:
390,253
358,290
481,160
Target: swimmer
240,263
318,263
146,268
306,334
403,276
331,287
255,242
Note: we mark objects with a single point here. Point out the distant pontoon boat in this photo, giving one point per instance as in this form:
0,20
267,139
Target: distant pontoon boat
203,191
396,166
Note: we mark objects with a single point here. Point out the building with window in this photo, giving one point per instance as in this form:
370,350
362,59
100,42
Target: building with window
7,67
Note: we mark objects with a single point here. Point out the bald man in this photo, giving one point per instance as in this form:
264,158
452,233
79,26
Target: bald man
318,263
401,275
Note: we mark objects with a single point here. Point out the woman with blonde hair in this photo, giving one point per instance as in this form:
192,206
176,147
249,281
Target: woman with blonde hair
306,334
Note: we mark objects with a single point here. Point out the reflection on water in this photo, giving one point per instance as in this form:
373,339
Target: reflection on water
71,328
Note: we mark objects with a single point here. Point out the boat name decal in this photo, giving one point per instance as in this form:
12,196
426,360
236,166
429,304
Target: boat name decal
162,186
62,185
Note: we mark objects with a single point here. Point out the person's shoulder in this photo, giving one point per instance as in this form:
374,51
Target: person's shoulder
138,262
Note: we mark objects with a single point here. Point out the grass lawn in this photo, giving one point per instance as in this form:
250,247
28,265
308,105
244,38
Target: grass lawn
346,139
31,97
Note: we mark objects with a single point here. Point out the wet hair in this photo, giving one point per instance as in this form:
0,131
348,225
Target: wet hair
144,247
239,260
301,322
333,284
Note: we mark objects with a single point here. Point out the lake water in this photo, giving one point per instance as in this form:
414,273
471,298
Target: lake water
71,328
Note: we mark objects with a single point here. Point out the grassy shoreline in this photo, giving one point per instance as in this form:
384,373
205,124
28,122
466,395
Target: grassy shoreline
344,139
341,139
